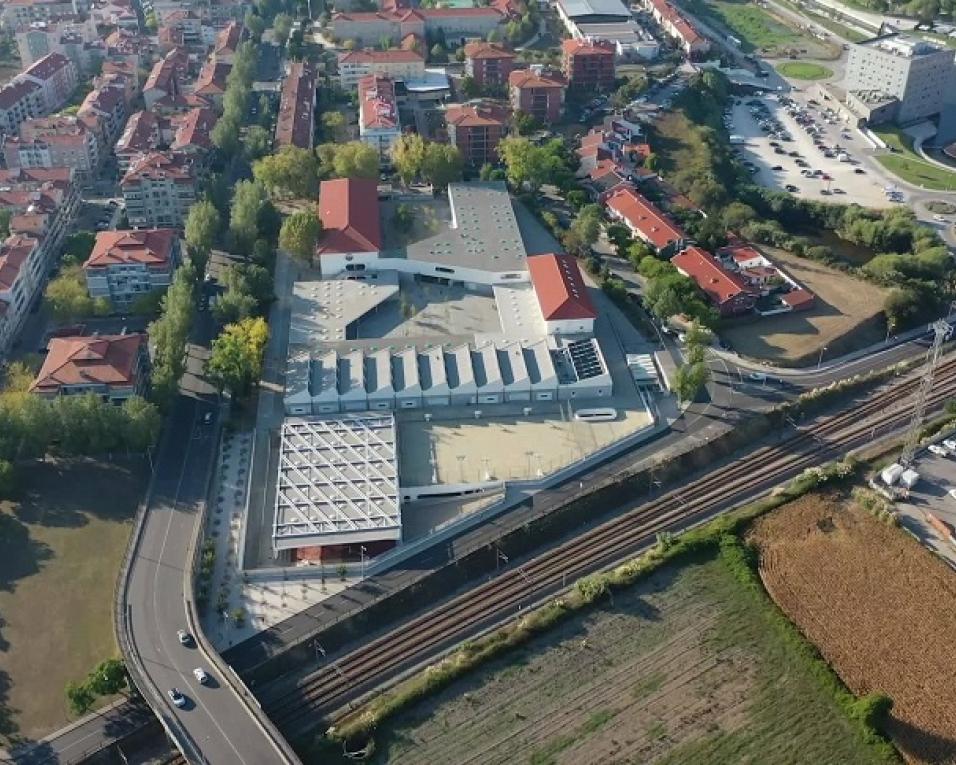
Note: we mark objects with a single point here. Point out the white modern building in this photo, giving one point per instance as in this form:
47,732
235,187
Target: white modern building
914,72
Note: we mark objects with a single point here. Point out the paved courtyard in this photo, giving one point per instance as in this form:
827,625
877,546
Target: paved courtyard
930,495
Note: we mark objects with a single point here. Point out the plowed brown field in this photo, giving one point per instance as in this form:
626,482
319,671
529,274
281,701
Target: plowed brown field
880,608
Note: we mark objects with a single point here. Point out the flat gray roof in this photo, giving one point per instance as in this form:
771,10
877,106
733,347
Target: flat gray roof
578,8
484,233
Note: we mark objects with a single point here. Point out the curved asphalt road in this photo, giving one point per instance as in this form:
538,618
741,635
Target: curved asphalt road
215,718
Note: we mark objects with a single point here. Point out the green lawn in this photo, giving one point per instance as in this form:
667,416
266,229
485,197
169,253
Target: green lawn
754,27
909,166
61,545
804,70
687,666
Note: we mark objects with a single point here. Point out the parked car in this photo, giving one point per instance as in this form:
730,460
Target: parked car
938,450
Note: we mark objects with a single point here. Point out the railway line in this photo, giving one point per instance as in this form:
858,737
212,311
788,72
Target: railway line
329,689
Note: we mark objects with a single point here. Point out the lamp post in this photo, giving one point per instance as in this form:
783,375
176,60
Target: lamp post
820,358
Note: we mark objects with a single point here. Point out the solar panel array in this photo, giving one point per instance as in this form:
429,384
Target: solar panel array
585,359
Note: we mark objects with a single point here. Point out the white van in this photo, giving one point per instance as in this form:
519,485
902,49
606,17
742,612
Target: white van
598,414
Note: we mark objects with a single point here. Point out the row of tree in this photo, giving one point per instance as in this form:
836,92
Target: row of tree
168,333
435,163
235,100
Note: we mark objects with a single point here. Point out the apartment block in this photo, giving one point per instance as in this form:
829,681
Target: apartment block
295,123
396,63
537,91
54,142
476,130
378,113
159,189
126,265
21,278
488,64
57,77
588,65
113,367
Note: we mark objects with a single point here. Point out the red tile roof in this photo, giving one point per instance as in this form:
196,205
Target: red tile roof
574,46
294,125
377,107
529,78
195,129
644,217
97,360
160,165
60,177
141,133
212,78
799,299
149,247
477,115
228,38
488,50
348,209
48,66
560,288
15,92
719,284
13,254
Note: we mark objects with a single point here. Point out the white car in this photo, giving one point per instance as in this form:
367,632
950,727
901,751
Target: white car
757,377
184,637
176,697
938,450
200,675
950,444
939,218
952,493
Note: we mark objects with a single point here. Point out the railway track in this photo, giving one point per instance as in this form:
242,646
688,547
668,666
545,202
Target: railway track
360,671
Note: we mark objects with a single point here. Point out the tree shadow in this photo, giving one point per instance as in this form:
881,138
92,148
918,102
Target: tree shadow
64,493
20,555
8,724
920,744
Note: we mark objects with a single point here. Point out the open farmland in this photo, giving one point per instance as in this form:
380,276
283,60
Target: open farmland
846,316
685,666
61,545
880,608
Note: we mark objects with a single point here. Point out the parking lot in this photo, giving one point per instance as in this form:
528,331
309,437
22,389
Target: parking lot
931,496
800,147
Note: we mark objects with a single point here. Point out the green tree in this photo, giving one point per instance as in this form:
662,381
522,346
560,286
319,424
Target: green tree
168,334
527,165
281,27
255,24
8,480
17,378
438,54
225,135
78,247
142,423
258,143
248,199
442,164
349,160
108,678
80,698
68,297
290,172
235,362
525,124
233,306
690,380
5,216
404,219
408,156
152,23
299,235
202,227
335,126
469,87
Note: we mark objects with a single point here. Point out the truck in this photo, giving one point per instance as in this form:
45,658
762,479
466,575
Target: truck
737,140
892,474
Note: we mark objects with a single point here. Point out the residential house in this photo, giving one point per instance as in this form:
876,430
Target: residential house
295,123
21,277
537,91
588,65
159,188
227,43
476,130
351,229
211,82
489,64
728,292
378,113
113,367
678,28
645,221
166,77
124,266
395,63
57,77
143,134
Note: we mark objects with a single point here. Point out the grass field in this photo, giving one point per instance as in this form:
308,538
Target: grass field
888,625
60,549
684,667
846,316
909,166
759,30
804,70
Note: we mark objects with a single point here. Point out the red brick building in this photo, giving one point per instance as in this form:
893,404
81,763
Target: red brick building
587,64
537,91
488,64
476,129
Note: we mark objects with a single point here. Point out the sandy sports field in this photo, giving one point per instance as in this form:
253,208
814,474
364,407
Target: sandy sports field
880,608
